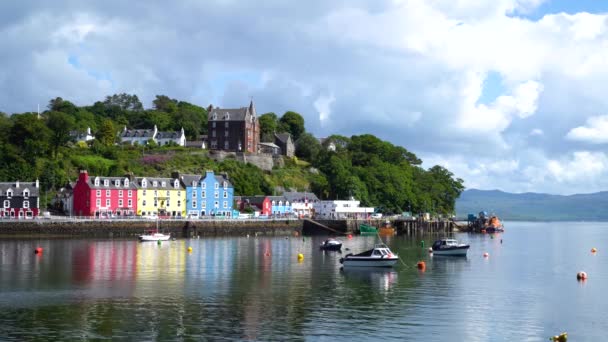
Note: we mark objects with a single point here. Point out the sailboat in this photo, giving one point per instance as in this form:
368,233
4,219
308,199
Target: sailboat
154,235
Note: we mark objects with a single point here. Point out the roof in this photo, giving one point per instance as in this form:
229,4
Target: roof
169,183
295,196
269,144
283,137
137,133
188,179
225,114
111,183
259,199
277,198
168,135
31,186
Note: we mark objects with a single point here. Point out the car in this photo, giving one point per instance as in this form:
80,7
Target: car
376,215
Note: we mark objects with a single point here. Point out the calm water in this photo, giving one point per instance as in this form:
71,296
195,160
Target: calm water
228,288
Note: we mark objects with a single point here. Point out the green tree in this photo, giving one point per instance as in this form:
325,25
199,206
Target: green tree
107,133
292,123
124,102
165,104
307,147
60,124
269,123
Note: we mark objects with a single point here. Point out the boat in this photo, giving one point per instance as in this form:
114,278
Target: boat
366,229
379,256
449,247
494,225
331,245
154,235
386,229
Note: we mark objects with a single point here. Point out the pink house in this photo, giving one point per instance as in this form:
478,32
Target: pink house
104,196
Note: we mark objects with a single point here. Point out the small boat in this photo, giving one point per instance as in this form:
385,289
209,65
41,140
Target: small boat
494,225
379,256
449,247
366,229
386,229
151,236
331,245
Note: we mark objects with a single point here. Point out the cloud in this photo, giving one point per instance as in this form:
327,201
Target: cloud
595,132
412,72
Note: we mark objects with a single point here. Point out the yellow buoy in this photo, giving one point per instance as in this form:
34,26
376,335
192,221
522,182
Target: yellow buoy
189,249
300,256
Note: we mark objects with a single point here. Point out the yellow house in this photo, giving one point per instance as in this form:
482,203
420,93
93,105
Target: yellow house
160,197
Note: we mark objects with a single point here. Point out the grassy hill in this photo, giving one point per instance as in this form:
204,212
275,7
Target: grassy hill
534,206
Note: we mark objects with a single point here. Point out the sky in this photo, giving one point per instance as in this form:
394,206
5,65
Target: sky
506,94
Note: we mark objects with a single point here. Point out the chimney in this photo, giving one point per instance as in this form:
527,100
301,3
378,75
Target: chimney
37,183
17,184
83,176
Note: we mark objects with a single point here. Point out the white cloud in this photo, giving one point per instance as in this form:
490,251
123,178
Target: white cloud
323,106
594,132
536,132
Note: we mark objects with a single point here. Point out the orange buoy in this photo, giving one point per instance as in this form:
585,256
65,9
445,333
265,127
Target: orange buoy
582,275
350,236
421,265
38,250
593,250
486,254
267,253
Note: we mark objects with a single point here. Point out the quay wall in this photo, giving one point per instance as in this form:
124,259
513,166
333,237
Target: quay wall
133,228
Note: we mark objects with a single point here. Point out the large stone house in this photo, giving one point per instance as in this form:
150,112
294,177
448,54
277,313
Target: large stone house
236,130
285,142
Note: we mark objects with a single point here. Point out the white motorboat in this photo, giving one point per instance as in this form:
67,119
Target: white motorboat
331,245
449,247
154,237
379,256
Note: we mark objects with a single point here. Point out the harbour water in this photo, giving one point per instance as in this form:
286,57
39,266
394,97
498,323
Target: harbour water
256,289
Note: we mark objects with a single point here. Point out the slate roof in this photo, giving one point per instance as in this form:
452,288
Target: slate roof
137,133
17,191
159,181
112,183
269,144
300,196
168,135
225,114
277,198
283,137
253,199
187,179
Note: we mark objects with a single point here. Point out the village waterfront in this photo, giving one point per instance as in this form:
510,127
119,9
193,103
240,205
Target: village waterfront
254,288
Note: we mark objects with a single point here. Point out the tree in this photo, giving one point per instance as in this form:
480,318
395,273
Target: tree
269,123
60,124
307,147
123,102
292,123
165,104
106,134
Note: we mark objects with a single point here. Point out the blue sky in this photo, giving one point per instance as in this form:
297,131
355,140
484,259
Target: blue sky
507,94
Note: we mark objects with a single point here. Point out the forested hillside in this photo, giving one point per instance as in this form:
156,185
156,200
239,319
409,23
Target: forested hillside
382,175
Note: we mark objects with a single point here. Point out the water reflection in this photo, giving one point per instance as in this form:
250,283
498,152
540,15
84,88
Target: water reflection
374,277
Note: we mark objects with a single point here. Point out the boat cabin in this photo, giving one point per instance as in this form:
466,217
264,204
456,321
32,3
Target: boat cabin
379,251
445,243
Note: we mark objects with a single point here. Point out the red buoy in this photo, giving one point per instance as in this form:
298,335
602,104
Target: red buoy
486,254
421,265
38,250
581,275
350,236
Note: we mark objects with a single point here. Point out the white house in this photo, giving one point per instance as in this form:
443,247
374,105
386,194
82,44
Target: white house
142,136
302,203
82,136
164,138
341,209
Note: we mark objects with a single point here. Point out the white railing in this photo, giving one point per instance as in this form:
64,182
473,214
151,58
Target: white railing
141,219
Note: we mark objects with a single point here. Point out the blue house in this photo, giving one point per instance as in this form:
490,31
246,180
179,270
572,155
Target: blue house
208,195
280,205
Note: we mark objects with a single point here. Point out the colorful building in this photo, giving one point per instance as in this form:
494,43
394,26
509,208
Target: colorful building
280,205
208,195
261,204
160,197
19,199
104,196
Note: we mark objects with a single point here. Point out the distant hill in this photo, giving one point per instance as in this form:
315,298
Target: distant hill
534,206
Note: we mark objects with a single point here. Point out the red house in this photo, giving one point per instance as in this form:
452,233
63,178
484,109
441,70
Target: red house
104,196
261,203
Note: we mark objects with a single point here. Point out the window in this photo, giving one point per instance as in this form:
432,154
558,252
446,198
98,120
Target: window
213,123
154,184
227,117
107,203
225,204
226,194
7,204
226,133
168,193
179,194
155,203
179,204
163,184
194,204
96,181
273,203
130,202
226,145
130,193
213,133
225,184
9,193
216,204
194,194
120,202
98,193
108,193
204,194
144,183
155,193
126,181
98,203
216,195
217,185
144,193
226,124
204,205
176,184
167,203
120,193
204,185
106,182
194,184
117,182
26,193
143,203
